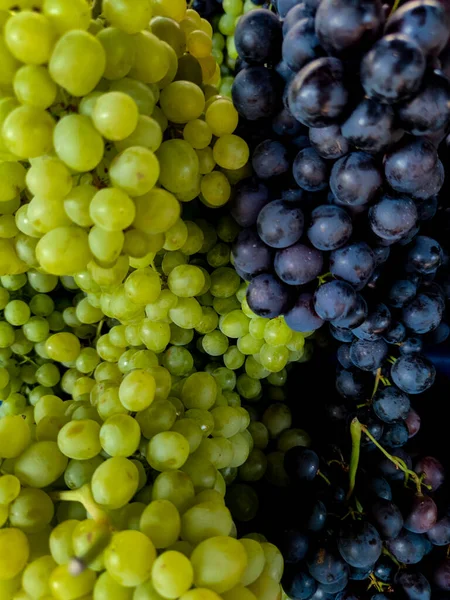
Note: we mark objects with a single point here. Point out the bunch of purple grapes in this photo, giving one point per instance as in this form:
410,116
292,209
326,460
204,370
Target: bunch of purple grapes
346,106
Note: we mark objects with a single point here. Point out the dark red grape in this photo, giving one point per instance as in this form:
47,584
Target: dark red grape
422,514
432,470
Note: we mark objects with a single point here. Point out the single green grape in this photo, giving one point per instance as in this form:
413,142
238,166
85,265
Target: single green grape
223,550
160,521
107,588
120,435
40,464
172,574
129,558
31,511
14,552
64,585
61,545
115,482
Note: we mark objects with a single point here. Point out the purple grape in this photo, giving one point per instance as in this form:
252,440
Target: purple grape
390,404
353,263
402,291
387,518
301,45
267,296
352,385
359,544
392,218
328,142
413,423
330,227
439,534
250,254
415,585
368,355
355,317
270,159
280,224
422,515
411,165
310,171
250,196
425,255
326,566
432,470
334,300
298,264
423,314
375,325
408,548
395,435
370,127
355,179
256,93
258,37
413,373
301,463
441,575
302,317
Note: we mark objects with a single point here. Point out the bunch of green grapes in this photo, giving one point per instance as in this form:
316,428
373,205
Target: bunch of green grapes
224,49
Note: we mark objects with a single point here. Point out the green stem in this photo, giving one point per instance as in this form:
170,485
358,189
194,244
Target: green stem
394,8
84,496
323,278
355,432
377,382
324,477
78,564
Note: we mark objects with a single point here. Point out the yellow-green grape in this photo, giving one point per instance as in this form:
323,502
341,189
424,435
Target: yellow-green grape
79,472
49,177
115,482
17,127
200,594
189,429
141,94
205,520
199,44
215,188
198,134
175,9
172,574
120,435
77,62
156,212
107,588
234,324
254,467
119,52
146,591
277,418
277,333
63,347
265,588
63,16
158,417
9,489
205,160
115,115
40,464
14,551
131,16
274,561
35,578
129,558
155,336
64,586
203,418
187,313
46,214
61,545
186,281
9,65
227,421
137,390
143,286
201,470
167,450
169,31
77,143
208,322
175,486
231,152
135,170
224,282
87,104
199,391
274,358
15,436
182,101
254,369
112,210
233,358
90,536
173,259
256,561
179,166
34,86
219,563
160,521
195,239
49,406
215,343
31,511
147,133
151,61
29,37
222,117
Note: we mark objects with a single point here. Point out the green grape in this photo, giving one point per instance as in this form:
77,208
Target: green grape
234,324
167,450
158,417
89,537
233,399
141,94
146,591
227,421
42,305
176,236
13,181
231,152
206,160
163,382
127,15
106,588
215,343
209,321
254,467
203,418
64,250
119,51
61,545
37,393
277,333
13,283
115,482
219,255
29,37
248,387
48,375
172,260
179,336
129,558
77,143
224,551
200,594
175,486
215,189
16,132
14,551
195,239
63,16
70,510
224,282
276,473
290,438
87,360
254,369
178,361
156,212
80,439
27,374
4,297
274,358
172,574
112,210
189,429
15,436
79,472
31,511
182,101
49,177
168,30
64,586
222,117
4,378
135,170
256,560
147,133
186,281
9,489
107,372
233,358
35,578
115,115
160,521
257,327
120,435
78,76
198,134
247,344
179,165
137,390
200,470
87,104
136,244
15,404
205,520
151,61
187,313
40,464
199,391
105,246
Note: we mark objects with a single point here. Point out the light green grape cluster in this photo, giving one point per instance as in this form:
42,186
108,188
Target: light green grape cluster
224,48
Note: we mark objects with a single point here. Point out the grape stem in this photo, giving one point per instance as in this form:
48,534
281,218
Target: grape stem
323,278
398,462
84,496
96,8
377,382
394,7
324,477
355,432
